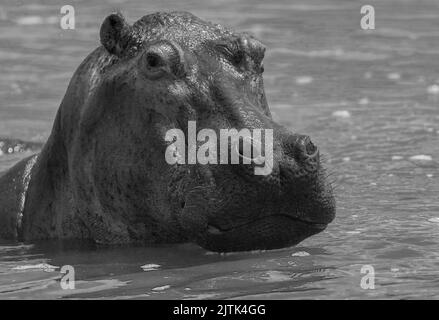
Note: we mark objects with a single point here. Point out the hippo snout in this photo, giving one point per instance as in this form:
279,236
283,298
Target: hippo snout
306,150
243,211
301,150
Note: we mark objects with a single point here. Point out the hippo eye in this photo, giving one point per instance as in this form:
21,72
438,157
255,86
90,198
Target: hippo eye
153,60
232,53
154,65
163,58
238,57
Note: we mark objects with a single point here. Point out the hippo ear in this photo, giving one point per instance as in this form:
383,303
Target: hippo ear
115,33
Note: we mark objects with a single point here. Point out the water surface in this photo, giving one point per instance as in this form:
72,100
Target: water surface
367,98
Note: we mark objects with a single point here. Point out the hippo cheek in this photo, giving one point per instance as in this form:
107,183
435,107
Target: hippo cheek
197,206
273,232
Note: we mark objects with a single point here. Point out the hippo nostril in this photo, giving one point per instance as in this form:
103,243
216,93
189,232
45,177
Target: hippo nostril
153,60
305,148
310,148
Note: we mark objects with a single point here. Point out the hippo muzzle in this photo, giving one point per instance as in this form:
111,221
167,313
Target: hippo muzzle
230,208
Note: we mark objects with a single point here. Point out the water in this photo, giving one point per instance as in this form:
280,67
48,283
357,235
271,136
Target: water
368,99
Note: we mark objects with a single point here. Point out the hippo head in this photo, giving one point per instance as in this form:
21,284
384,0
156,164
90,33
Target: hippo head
159,74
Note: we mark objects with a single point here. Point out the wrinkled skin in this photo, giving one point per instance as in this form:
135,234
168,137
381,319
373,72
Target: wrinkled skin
102,175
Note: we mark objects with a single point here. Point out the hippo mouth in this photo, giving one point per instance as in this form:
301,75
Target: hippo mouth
271,232
214,230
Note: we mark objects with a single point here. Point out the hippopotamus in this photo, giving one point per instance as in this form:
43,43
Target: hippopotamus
102,175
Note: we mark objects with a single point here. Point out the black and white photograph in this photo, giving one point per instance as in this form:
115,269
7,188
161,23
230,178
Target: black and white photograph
219,150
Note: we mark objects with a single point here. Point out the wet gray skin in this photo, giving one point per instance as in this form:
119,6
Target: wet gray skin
102,174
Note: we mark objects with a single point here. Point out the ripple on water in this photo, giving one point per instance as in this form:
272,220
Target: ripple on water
433,89
421,157
40,266
304,80
342,114
36,20
300,254
150,267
